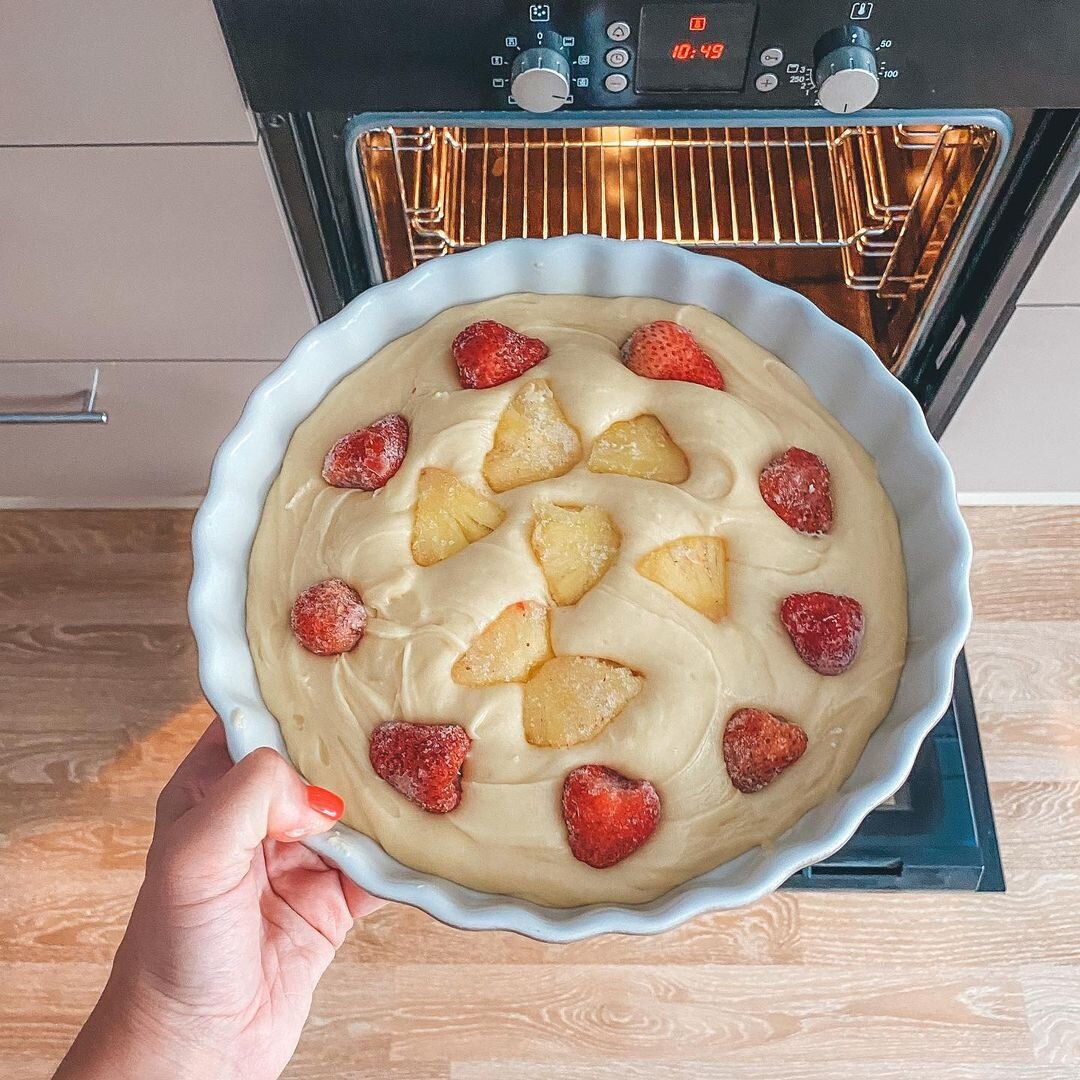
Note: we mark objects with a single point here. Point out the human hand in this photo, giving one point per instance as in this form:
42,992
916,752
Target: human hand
231,931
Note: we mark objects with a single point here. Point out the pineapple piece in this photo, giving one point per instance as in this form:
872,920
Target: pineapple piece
507,649
571,699
575,546
639,447
694,568
449,516
533,440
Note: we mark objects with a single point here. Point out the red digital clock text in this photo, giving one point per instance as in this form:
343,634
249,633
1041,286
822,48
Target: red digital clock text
710,50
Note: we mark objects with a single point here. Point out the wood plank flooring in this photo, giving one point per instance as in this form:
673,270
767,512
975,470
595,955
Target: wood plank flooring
99,700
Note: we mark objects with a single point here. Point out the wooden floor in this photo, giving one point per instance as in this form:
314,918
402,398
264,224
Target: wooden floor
99,700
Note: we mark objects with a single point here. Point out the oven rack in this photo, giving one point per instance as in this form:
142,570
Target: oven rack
883,198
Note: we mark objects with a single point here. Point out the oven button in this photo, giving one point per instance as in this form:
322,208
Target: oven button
616,82
772,57
845,69
766,81
540,80
617,58
618,31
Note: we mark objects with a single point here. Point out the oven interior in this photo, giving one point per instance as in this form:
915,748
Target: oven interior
862,219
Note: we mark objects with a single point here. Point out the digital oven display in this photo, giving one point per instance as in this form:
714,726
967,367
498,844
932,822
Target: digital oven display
694,46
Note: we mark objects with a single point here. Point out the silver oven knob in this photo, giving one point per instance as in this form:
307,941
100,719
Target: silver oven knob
845,69
540,80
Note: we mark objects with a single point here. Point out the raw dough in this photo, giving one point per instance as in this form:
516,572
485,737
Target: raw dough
507,836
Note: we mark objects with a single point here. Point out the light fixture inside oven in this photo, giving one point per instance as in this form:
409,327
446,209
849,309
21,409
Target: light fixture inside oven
861,218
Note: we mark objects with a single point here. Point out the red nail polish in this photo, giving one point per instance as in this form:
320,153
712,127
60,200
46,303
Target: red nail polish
326,802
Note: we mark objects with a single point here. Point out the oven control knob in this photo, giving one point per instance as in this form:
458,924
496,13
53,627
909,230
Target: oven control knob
845,69
540,80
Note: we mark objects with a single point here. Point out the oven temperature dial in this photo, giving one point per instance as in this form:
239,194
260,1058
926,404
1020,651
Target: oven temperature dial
540,80
845,69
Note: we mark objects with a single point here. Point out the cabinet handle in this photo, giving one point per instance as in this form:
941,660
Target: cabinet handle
86,415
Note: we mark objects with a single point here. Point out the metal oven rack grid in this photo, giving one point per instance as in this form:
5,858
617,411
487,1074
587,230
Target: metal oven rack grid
884,198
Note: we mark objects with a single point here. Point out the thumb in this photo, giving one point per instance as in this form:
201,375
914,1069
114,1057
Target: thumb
261,797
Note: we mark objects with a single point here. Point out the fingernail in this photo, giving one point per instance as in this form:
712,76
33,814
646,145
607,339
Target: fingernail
325,802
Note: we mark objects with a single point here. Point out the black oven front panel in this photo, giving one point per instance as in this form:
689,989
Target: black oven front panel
570,55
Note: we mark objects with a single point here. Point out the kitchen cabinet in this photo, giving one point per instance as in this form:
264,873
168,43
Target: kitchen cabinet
145,253
165,422
1056,279
1014,437
117,71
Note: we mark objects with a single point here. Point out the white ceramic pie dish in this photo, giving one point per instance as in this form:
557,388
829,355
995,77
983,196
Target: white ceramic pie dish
847,378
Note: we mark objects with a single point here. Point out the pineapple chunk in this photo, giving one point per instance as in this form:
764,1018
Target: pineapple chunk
507,649
571,699
639,447
449,516
533,440
575,546
694,568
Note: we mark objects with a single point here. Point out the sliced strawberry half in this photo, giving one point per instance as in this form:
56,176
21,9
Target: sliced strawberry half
422,761
825,629
666,350
608,816
795,486
488,353
367,458
759,746
328,618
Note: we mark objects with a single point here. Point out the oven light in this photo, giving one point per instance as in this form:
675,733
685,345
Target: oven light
698,22
626,138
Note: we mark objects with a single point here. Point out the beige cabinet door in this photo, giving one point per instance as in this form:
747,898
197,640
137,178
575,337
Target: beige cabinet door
145,253
116,71
1056,279
165,422
1015,436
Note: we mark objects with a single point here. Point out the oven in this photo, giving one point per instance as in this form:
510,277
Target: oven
902,164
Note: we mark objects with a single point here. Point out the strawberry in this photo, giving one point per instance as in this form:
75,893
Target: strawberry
795,486
666,350
329,618
488,353
422,761
825,629
367,458
607,815
759,746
